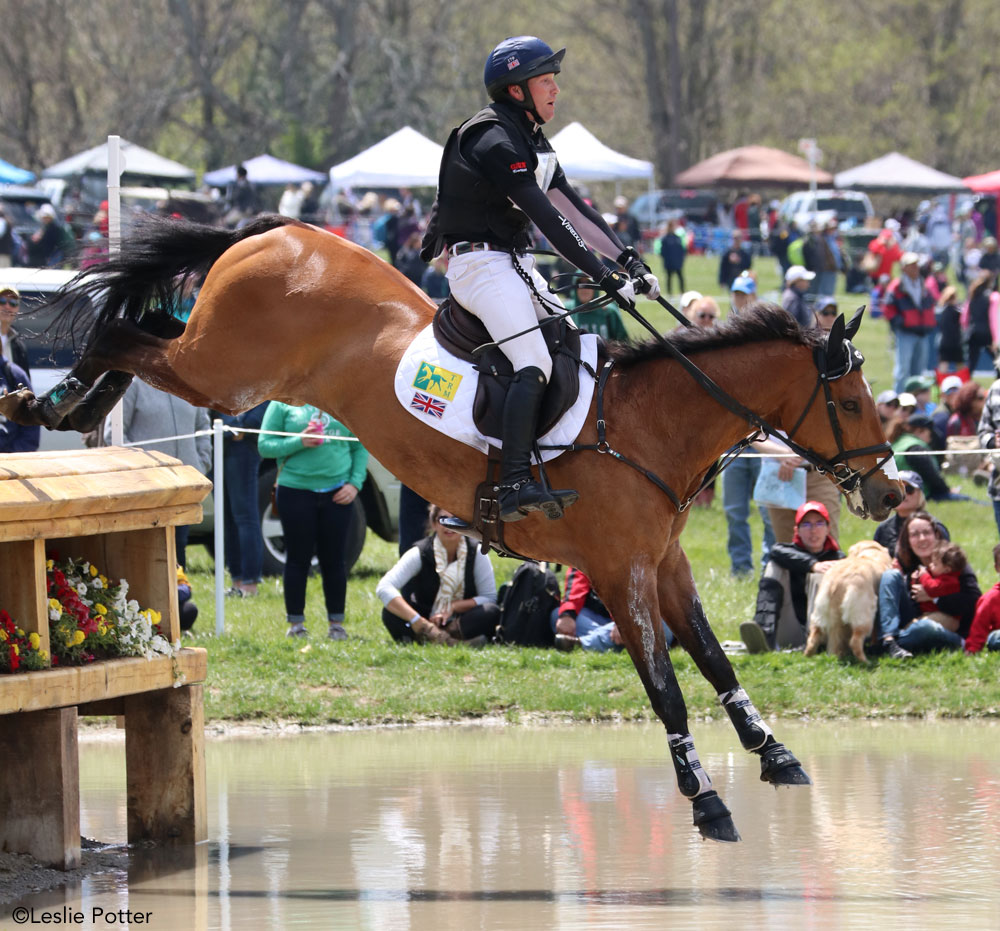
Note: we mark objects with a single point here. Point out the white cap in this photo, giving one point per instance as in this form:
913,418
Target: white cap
892,224
951,383
798,273
909,258
689,297
46,210
907,400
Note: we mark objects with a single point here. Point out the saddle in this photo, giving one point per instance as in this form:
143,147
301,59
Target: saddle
462,334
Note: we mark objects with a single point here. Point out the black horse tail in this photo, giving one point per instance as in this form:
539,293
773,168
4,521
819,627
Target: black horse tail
141,282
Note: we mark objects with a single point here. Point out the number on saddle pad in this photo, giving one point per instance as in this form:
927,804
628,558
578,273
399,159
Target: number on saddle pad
526,604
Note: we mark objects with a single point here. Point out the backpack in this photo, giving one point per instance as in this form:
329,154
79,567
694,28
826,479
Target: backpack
526,604
796,251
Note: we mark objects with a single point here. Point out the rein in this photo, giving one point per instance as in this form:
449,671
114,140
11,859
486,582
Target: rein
846,477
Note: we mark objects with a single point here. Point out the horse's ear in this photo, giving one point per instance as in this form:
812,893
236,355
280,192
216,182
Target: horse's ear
835,343
855,323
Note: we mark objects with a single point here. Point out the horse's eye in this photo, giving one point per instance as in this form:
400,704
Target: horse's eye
851,406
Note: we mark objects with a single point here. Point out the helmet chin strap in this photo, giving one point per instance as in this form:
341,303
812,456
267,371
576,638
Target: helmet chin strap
528,103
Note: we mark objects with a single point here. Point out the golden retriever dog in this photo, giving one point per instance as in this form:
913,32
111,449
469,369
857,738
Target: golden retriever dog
846,601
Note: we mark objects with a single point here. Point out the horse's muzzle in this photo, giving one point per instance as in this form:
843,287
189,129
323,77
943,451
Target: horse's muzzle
875,496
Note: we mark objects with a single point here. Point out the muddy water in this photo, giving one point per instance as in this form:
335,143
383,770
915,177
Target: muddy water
501,828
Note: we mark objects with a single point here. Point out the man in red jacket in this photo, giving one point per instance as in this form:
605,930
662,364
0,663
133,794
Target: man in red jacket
909,308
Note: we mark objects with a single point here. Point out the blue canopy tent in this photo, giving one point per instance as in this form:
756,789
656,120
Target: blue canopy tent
11,174
265,169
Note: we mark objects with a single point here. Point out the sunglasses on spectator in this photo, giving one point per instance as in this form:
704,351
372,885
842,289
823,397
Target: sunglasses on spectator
828,313
810,524
10,301
704,316
909,489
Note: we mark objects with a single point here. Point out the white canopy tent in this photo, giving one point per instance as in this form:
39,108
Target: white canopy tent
135,159
265,169
898,174
404,159
585,158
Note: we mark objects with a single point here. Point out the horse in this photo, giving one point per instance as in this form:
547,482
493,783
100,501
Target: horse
289,312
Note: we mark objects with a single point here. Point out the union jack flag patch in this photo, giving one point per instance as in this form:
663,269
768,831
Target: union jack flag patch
512,63
428,405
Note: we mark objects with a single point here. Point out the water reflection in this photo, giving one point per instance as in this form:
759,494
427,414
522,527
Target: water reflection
567,828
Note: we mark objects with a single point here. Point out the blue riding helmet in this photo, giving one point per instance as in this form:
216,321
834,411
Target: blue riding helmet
514,61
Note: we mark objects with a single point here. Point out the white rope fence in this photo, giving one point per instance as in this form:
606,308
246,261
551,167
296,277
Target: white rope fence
219,429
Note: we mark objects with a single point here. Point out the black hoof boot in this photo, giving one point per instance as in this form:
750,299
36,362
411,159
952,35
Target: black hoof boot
779,767
713,819
63,398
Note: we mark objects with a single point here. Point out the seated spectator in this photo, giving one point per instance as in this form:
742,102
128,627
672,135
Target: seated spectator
887,533
985,629
794,298
887,405
789,581
742,292
188,609
687,299
941,576
920,387
942,413
825,311
902,627
916,437
964,419
605,321
704,312
582,620
442,590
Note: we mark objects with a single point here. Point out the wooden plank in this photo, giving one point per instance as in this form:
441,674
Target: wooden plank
101,523
58,688
40,787
165,766
101,493
22,587
81,461
113,707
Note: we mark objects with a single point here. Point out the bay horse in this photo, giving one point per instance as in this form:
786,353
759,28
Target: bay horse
288,312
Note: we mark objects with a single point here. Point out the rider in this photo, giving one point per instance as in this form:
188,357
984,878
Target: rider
499,174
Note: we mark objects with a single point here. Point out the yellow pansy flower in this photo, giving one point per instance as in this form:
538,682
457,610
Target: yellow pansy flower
93,571
78,637
54,603
34,640
100,609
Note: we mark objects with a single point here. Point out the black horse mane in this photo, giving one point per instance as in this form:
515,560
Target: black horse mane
757,323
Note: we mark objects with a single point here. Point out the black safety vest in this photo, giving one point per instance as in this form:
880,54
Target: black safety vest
422,589
469,206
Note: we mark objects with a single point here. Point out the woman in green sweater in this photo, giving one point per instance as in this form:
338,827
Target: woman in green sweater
319,478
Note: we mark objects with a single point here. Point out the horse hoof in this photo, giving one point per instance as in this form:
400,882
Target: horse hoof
713,819
779,767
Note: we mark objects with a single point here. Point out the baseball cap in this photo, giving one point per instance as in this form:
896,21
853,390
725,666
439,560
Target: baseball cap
10,289
918,383
745,284
887,397
919,420
909,258
951,383
892,224
46,210
689,297
816,506
798,273
906,399
825,300
911,478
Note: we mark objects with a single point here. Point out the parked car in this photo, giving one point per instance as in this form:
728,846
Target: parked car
654,208
50,360
851,209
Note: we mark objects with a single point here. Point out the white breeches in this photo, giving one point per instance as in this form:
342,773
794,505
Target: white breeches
487,285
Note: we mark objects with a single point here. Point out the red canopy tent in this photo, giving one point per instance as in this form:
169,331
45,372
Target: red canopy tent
984,184
752,166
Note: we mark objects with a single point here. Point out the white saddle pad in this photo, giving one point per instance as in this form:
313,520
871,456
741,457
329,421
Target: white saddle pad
439,389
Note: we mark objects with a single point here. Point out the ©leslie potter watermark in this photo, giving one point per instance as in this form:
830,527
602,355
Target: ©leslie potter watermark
68,915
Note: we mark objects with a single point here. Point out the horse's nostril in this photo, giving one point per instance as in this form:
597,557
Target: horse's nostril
892,500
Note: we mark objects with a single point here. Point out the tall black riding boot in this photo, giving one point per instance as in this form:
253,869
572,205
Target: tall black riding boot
520,493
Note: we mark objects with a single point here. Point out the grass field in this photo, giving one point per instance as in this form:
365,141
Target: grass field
256,674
